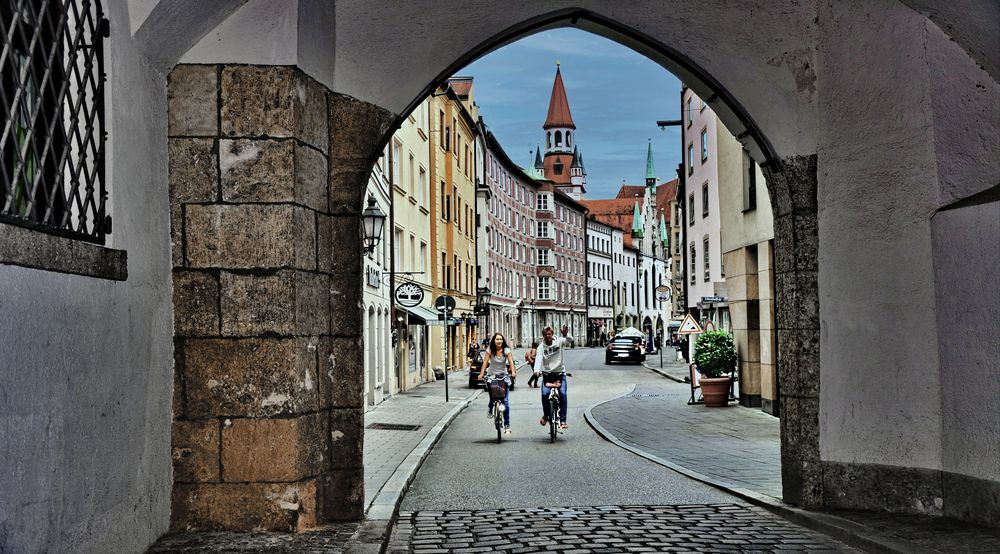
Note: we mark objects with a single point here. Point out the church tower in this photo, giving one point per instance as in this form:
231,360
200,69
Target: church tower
563,164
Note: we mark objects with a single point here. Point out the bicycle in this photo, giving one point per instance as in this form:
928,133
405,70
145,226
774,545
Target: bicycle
497,389
553,380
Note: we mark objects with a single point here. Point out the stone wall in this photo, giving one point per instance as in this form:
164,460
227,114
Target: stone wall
267,323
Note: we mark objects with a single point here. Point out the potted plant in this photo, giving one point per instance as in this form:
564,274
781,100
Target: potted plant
716,358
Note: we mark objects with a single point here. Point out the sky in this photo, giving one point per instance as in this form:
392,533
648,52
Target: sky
615,94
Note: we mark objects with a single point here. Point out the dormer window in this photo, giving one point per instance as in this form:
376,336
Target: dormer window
558,166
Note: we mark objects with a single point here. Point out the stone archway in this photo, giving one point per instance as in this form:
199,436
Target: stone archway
795,113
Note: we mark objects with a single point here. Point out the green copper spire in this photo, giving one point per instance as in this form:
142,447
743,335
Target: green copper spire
636,220
650,172
664,236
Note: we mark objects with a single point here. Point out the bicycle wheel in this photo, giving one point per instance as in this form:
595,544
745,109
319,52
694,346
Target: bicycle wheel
498,419
553,410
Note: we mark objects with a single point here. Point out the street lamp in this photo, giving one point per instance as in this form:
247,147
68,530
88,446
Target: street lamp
372,220
483,295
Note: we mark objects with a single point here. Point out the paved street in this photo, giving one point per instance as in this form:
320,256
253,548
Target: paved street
581,494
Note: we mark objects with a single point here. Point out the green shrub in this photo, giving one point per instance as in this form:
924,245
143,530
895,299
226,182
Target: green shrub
715,354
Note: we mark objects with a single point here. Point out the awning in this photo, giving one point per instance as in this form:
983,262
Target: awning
422,315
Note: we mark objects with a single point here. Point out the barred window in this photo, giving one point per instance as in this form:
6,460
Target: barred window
52,99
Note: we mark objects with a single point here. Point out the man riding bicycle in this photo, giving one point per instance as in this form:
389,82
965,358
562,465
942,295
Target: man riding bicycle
549,363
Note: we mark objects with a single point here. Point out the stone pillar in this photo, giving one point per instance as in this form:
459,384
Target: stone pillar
792,185
267,420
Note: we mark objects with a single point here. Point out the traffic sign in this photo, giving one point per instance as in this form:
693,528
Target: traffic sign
444,303
409,295
689,326
663,288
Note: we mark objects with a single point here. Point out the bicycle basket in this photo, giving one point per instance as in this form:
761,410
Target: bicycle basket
498,389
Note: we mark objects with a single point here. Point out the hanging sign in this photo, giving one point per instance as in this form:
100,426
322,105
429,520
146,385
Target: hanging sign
409,295
689,326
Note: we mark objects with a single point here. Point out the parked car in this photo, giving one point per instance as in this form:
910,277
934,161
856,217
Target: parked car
474,366
625,349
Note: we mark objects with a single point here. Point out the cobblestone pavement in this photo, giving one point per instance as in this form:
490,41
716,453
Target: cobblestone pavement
328,540
734,445
606,529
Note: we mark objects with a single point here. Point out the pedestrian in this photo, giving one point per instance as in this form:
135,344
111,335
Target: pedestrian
473,349
564,332
500,363
604,339
529,357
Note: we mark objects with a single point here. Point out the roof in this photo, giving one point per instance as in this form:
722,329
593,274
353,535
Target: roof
665,192
559,115
461,85
650,172
629,191
616,212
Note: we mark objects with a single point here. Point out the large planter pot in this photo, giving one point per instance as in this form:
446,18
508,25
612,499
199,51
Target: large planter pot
715,391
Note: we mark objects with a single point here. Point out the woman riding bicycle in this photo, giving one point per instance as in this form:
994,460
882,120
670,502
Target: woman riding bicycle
549,363
500,363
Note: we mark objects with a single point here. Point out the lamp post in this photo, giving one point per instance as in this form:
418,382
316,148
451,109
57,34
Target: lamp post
532,320
372,221
483,295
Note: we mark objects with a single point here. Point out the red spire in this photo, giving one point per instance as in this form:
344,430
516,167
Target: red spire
559,115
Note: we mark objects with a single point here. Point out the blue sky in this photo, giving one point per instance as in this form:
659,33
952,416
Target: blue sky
615,94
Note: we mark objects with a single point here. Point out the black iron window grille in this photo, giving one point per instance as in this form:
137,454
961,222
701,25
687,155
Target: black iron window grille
52,100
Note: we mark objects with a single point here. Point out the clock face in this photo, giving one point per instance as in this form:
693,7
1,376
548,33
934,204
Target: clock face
409,295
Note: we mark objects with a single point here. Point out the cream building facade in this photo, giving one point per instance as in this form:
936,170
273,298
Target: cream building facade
380,382
409,155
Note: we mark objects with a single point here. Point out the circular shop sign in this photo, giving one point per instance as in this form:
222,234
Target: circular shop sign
409,295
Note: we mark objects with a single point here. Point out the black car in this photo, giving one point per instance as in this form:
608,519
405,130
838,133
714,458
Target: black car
474,365
625,349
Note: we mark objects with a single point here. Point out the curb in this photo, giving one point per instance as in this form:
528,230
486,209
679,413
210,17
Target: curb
373,535
844,530
661,372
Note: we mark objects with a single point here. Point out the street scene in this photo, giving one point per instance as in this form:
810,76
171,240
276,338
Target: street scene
373,276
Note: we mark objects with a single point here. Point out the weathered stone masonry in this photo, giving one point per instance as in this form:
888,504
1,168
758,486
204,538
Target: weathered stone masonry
267,171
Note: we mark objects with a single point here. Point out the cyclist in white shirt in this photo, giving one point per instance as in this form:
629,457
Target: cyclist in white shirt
549,360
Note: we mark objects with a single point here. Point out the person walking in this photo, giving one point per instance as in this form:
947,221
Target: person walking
500,364
529,357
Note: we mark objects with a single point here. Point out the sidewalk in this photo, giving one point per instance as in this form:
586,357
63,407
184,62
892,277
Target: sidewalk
739,450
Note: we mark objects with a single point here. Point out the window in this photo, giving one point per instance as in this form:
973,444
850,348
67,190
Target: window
690,159
704,200
707,264
543,288
543,201
691,209
422,186
543,230
52,147
397,176
704,145
693,257
558,166
397,244
749,182
558,138
569,139
543,256
423,256
412,176
447,138
690,112
413,253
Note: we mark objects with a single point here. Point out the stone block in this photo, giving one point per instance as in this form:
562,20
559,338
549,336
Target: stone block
971,499
347,184
343,495
799,429
798,239
249,236
311,178
311,112
285,449
177,403
243,506
258,377
324,243
192,101
882,488
750,378
792,185
768,381
195,451
801,481
768,350
258,101
797,300
193,170
347,433
753,345
357,128
342,377
177,235
257,170
287,302
798,361
345,239
196,304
